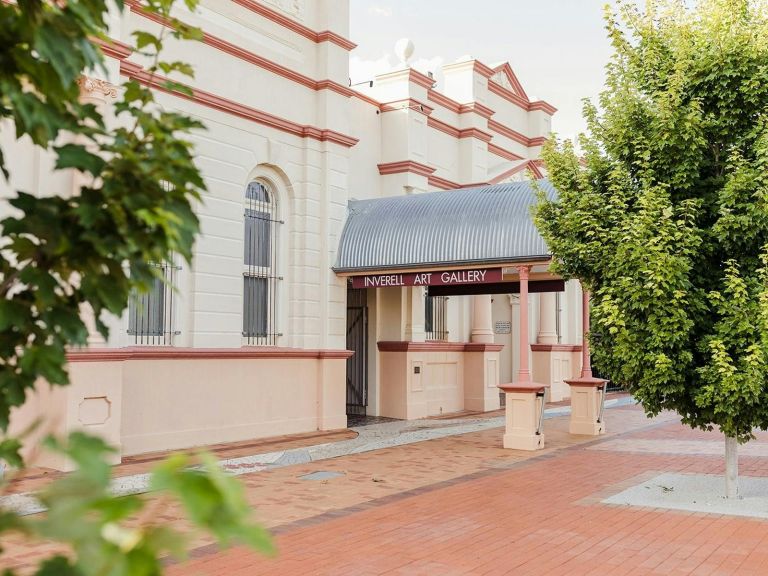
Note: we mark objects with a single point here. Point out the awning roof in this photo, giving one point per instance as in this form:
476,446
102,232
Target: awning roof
471,226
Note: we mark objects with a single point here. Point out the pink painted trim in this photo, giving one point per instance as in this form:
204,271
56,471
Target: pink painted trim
442,183
477,66
366,98
481,347
508,95
133,70
406,104
458,133
443,127
285,22
555,347
542,105
511,172
532,387
509,133
446,184
405,166
252,58
586,382
503,153
444,101
513,80
437,346
475,133
519,101
414,76
476,108
114,48
170,353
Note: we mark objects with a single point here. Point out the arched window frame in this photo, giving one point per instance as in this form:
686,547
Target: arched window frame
262,264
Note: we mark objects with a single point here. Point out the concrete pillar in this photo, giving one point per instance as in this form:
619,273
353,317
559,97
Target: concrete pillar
482,319
547,318
587,392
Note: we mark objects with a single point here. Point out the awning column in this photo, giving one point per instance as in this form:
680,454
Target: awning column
524,398
482,319
547,318
524,373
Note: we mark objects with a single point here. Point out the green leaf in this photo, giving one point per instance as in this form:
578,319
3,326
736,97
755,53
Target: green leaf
78,157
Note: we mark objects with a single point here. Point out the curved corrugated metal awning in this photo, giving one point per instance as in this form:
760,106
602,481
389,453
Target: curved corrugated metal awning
470,226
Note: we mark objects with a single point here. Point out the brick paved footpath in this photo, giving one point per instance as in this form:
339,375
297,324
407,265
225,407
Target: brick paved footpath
464,505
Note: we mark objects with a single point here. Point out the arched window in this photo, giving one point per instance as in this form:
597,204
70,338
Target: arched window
261,274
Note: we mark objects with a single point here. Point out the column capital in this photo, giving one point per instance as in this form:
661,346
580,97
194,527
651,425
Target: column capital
90,87
524,272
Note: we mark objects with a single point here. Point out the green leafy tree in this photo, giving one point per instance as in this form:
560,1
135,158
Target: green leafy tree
62,250
665,217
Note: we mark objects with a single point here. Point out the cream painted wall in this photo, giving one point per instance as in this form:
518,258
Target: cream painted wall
313,181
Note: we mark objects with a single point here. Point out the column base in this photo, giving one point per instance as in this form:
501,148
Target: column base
587,428
524,410
530,443
587,406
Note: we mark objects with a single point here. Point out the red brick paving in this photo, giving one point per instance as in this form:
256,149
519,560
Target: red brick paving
464,505
540,517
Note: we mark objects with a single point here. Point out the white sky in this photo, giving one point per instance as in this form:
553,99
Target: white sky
557,48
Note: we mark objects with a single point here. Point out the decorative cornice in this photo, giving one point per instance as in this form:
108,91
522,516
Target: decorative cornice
133,70
475,65
405,166
171,353
251,57
503,153
443,127
517,100
412,75
95,85
366,98
437,346
477,108
444,101
406,104
542,105
458,133
442,183
285,22
114,48
508,95
475,133
514,135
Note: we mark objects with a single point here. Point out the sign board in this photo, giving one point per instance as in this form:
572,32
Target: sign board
446,278
502,327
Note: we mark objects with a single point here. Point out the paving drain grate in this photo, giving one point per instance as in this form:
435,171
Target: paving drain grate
321,475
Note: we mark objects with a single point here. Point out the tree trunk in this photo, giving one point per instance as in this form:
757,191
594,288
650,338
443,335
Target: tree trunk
731,467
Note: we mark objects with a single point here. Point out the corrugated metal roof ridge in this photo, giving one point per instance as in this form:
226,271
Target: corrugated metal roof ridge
482,224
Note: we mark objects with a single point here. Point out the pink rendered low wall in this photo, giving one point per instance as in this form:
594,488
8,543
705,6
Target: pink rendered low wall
420,379
149,399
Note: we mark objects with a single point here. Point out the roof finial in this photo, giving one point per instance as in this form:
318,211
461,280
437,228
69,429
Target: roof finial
404,50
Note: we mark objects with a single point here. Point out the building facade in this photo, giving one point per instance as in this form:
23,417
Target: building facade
258,338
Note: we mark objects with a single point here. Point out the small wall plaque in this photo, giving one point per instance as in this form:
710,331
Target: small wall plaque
502,327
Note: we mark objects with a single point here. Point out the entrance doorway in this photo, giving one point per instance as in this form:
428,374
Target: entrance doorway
357,342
